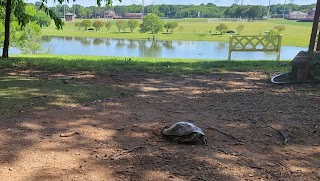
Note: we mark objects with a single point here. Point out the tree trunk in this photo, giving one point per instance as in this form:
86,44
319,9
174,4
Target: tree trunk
5,53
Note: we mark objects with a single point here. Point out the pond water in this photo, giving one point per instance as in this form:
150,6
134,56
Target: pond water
149,48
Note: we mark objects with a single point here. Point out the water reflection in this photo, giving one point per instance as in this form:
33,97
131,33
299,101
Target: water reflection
120,43
132,44
168,44
98,41
150,49
108,42
165,49
85,41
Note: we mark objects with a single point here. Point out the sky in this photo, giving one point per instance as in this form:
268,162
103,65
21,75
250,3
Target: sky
194,2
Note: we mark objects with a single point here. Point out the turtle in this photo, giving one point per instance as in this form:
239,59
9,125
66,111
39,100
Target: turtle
184,132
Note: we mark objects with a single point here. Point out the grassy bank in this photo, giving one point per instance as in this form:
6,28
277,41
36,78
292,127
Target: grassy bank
296,33
102,65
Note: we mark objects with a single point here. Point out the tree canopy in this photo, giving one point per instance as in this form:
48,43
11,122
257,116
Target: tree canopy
18,9
151,23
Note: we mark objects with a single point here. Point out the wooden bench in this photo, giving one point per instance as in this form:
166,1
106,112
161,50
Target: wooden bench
264,43
299,62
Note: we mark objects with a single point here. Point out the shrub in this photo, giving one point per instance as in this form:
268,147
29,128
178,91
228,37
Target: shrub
222,28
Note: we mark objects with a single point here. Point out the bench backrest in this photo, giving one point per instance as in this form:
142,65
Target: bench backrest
266,43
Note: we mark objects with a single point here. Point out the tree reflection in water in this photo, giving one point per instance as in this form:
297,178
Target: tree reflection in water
132,44
120,43
98,41
168,44
153,50
85,41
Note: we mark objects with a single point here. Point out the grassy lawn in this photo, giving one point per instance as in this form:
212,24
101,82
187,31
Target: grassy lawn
102,65
296,33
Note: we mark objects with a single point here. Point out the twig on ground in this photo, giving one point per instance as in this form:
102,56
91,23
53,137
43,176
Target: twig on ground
68,134
285,135
227,134
114,156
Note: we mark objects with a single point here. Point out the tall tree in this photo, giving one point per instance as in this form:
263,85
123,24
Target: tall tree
18,8
151,23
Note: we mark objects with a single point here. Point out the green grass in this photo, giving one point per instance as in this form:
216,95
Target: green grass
296,33
101,64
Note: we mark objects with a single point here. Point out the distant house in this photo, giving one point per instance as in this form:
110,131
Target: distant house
110,14
113,15
70,17
297,15
309,17
132,16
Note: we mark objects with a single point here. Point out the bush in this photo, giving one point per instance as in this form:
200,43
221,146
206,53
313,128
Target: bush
98,24
86,24
222,28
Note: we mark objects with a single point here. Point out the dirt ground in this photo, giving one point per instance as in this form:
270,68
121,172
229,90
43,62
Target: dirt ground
255,130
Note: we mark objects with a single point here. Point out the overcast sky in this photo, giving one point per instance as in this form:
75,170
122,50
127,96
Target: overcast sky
195,2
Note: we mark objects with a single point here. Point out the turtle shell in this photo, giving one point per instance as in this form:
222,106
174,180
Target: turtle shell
182,129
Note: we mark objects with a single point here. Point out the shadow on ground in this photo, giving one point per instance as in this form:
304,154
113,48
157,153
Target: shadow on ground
118,138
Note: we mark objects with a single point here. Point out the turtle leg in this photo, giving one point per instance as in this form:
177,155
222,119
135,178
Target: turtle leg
177,139
204,140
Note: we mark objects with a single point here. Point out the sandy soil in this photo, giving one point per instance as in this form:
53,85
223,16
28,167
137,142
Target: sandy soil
246,119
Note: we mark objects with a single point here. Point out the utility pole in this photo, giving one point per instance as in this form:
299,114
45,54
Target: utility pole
285,1
64,11
268,16
142,10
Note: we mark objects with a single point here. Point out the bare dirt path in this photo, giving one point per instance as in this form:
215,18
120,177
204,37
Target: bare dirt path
246,120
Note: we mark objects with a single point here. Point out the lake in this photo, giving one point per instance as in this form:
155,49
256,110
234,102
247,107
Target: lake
149,48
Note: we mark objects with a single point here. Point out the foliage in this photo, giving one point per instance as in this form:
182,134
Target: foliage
240,28
280,29
19,10
222,28
171,26
42,19
121,25
108,25
254,12
181,28
151,23
132,24
98,24
86,24
78,25
30,39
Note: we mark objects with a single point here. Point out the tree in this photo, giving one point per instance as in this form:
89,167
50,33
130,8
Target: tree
240,28
254,12
98,24
30,39
222,28
132,24
42,19
18,9
121,25
86,24
108,25
151,23
171,26
78,25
